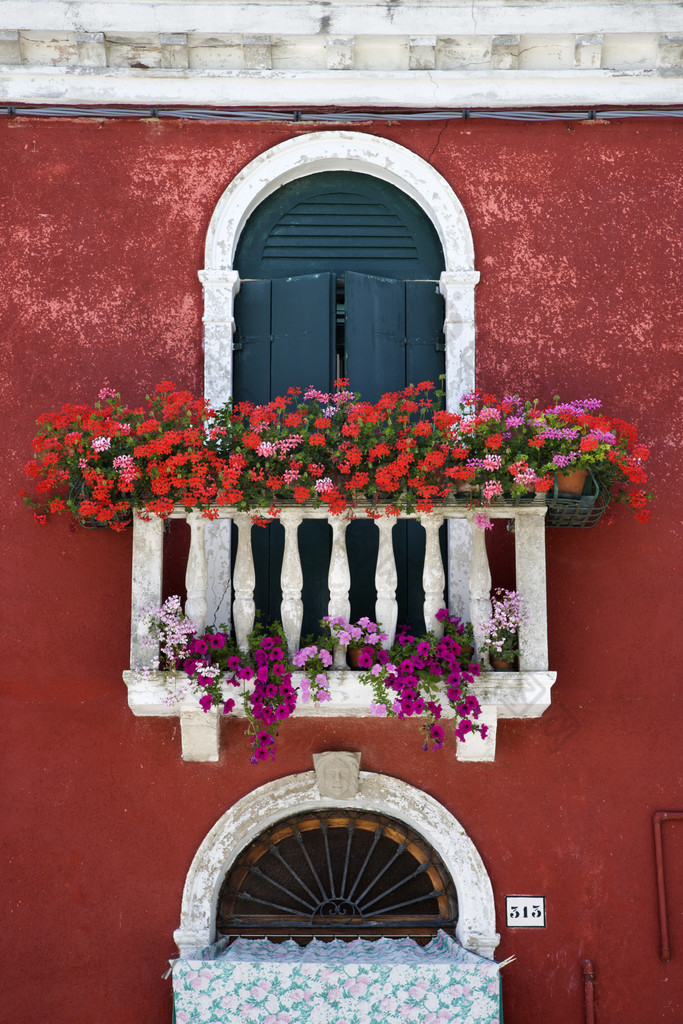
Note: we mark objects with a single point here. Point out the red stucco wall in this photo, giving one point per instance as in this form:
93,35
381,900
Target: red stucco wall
578,233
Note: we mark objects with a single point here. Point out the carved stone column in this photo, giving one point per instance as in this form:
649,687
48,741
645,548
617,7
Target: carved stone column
457,288
339,578
291,581
386,578
196,575
433,576
148,547
480,587
244,608
220,288
531,585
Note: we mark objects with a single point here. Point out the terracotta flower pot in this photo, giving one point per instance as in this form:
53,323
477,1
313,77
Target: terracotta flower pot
467,651
501,664
352,656
572,482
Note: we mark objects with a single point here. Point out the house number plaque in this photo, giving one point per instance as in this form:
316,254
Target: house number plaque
525,911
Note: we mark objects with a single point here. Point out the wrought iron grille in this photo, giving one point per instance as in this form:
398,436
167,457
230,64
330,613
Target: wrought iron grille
343,873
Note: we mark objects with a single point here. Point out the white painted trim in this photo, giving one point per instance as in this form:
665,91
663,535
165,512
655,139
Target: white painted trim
409,90
294,794
413,17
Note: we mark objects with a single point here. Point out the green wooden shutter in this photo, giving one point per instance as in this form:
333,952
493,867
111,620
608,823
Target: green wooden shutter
338,221
424,332
375,332
393,333
286,338
393,338
351,225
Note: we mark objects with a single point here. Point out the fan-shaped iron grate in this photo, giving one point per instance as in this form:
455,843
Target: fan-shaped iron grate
340,872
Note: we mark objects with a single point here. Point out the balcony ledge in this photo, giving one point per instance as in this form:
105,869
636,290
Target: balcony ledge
501,694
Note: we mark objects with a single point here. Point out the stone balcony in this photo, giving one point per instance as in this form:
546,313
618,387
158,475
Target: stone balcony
521,694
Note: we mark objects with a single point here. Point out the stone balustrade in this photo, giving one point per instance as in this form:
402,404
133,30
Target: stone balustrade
522,694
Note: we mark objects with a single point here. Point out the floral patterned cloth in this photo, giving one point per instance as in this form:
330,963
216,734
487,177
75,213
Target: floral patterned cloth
361,982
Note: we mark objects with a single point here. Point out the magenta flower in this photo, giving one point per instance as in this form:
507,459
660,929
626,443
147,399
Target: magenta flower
464,727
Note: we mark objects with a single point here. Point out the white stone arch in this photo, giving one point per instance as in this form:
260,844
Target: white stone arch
295,794
296,158
337,151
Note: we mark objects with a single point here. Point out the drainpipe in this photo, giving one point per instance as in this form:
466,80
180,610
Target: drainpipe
658,818
589,990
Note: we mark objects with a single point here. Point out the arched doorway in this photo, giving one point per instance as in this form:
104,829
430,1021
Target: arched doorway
286,800
271,171
339,277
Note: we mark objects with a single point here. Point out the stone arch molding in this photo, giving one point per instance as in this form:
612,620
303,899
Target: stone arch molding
299,793
296,158
337,151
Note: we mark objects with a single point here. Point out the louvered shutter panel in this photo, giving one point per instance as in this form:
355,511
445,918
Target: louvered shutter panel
375,330
424,332
252,343
393,338
339,221
286,338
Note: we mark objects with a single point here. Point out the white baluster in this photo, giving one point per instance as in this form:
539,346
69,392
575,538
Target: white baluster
480,587
433,575
148,547
459,562
386,607
339,578
291,581
196,575
530,570
244,581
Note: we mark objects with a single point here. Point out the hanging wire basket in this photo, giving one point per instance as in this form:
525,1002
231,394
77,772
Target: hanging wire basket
582,510
77,491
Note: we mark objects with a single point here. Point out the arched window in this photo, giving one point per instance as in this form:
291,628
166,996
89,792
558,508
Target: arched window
385,809
339,872
412,181
339,277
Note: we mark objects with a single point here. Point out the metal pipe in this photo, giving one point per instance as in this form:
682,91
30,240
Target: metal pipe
658,818
589,990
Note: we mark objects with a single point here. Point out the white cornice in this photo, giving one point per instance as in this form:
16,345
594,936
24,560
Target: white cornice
310,89
417,53
443,17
